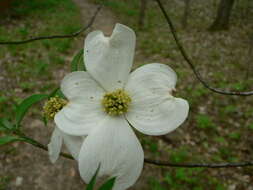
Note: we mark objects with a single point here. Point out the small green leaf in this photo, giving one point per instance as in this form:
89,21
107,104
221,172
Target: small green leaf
53,93
108,185
82,65
60,94
5,124
24,106
77,60
9,139
92,182
56,92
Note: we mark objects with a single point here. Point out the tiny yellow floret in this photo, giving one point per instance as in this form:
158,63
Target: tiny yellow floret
52,106
116,102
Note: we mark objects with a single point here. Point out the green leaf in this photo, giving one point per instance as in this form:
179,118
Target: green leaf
108,185
24,106
9,139
82,65
77,60
60,94
5,124
53,93
91,184
56,92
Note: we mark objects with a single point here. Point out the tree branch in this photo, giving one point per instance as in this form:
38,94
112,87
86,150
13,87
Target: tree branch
56,36
43,147
156,162
190,63
199,165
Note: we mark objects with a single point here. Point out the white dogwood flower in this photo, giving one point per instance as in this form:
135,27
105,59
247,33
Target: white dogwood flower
106,98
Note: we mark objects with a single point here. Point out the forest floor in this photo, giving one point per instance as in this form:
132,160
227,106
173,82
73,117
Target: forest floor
219,129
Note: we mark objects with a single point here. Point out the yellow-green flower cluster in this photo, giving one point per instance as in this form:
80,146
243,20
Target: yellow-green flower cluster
116,102
52,106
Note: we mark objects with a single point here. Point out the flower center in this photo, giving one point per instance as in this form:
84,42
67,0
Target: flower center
116,102
52,106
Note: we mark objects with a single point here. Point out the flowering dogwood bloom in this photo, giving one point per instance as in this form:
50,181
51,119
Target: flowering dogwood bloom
106,99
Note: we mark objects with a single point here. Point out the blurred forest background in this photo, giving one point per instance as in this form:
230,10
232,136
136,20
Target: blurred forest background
218,36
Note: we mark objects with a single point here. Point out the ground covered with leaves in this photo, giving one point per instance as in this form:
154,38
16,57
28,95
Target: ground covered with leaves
219,128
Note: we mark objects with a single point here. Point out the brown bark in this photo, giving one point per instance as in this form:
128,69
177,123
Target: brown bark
143,7
223,15
186,13
250,58
4,5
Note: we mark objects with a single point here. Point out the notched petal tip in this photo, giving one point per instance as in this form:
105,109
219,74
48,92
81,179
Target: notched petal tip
93,34
109,55
120,34
123,28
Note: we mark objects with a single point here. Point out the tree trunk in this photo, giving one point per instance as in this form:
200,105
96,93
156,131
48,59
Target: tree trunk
250,58
4,5
223,14
186,13
248,9
143,7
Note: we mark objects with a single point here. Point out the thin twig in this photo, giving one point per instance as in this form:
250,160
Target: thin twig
156,162
56,36
199,165
43,147
190,63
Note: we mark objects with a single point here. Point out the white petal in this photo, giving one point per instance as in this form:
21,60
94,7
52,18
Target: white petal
154,111
54,147
84,110
109,59
73,144
158,77
81,84
114,146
